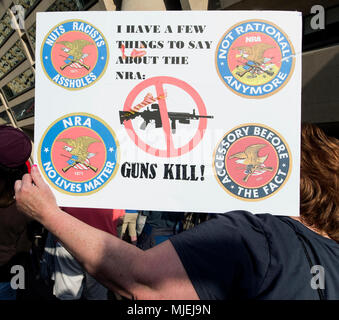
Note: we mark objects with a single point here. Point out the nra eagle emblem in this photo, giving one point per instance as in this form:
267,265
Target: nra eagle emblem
74,54
255,59
79,154
252,162
78,148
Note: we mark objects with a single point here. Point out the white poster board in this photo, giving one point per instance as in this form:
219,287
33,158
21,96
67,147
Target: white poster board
176,111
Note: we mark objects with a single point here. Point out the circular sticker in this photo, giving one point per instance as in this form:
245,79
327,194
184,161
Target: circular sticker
78,154
252,162
166,119
255,59
74,54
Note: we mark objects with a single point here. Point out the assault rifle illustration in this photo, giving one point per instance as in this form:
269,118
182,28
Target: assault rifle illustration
153,114
254,67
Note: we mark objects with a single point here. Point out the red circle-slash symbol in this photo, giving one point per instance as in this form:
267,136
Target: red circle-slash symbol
171,150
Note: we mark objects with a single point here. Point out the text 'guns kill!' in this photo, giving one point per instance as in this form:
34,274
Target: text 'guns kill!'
153,114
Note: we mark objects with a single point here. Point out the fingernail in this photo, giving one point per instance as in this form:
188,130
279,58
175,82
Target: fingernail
35,166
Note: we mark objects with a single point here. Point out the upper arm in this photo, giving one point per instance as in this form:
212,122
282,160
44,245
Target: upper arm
165,275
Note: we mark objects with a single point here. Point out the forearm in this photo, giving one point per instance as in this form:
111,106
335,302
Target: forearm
153,274
115,263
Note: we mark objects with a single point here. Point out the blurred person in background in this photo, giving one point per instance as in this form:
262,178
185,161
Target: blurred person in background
15,245
159,226
129,223
70,279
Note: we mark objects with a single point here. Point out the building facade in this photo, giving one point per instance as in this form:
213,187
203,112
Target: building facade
17,54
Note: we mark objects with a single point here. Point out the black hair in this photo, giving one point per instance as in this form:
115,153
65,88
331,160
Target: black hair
8,176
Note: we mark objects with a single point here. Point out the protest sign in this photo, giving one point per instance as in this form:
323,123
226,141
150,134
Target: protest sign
176,111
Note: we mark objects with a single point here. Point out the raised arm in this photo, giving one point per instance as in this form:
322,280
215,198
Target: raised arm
153,274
